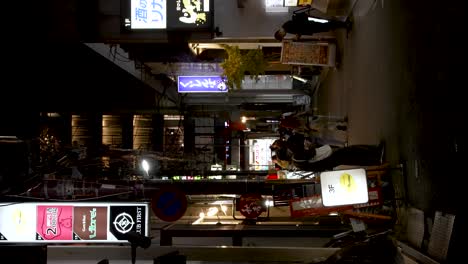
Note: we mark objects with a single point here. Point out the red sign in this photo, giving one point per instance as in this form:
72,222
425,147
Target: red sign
310,206
375,198
169,204
54,222
251,205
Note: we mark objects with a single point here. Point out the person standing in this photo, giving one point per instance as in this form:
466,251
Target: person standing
303,24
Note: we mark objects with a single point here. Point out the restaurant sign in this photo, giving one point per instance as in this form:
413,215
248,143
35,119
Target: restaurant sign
71,223
148,14
201,84
190,14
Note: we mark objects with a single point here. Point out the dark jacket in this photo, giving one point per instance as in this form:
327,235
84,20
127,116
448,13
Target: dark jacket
300,25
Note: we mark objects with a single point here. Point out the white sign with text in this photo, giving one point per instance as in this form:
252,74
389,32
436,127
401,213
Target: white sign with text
148,14
344,187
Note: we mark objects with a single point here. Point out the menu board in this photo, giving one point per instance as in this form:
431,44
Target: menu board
71,222
308,53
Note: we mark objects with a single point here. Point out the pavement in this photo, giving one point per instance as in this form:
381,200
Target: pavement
399,80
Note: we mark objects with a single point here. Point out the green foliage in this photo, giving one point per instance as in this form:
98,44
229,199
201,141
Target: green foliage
239,63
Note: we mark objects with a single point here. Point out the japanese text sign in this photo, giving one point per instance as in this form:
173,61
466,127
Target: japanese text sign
148,14
189,14
201,84
72,222
343,187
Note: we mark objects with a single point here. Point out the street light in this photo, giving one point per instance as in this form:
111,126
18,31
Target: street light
145,166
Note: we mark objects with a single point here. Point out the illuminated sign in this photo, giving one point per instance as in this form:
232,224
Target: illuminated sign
201,84
344,187
148,14
291,2
71,223
280,3
260,158
304,2
189,14
274,3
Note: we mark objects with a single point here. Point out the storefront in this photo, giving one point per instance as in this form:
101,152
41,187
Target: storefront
259,154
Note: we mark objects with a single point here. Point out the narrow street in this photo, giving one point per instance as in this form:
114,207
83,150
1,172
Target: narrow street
400,80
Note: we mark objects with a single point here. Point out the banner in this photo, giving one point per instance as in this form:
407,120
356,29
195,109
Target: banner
72,222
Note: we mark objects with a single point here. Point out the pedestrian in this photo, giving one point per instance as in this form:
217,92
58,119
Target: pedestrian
288,155
303,24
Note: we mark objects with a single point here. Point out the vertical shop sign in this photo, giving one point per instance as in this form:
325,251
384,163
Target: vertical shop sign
89,223
54,222
148,14
71,223
190,14
124,219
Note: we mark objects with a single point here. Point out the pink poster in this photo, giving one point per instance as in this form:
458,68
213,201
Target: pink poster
54,222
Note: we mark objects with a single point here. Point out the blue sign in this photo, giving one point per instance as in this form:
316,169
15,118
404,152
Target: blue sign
169,204
201,84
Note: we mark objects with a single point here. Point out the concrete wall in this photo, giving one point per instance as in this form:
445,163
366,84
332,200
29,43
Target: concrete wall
251,21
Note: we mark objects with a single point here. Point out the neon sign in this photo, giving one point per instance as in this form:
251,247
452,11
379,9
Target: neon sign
201,84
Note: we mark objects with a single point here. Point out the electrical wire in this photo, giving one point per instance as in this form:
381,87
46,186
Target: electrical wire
69,200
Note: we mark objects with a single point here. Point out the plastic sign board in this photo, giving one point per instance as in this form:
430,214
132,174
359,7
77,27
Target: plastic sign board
312,205
97,222
190,14
344,187
251,205
308,53
169,204
276,3
290,2
305,2
148,14
201,84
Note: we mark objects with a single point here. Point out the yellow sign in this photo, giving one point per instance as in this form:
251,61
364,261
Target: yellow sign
343,187
347,182
305,2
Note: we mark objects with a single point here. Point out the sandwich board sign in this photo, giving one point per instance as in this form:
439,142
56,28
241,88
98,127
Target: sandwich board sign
308,53
97,222
344,187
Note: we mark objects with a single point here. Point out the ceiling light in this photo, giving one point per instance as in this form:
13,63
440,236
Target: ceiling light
300,79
